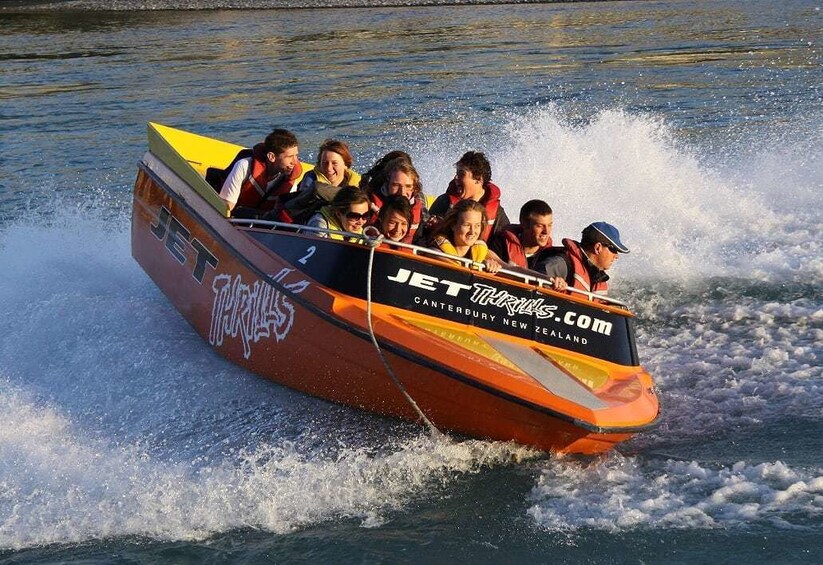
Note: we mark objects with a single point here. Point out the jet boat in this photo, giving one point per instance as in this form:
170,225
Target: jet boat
391,329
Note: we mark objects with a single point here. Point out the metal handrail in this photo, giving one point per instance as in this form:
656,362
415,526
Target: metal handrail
527,278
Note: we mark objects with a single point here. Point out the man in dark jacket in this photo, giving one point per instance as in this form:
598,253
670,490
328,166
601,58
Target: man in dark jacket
583,264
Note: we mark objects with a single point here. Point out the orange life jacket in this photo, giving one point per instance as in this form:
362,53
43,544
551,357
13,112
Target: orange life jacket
514,245
490,200
579,277
417,213
254,192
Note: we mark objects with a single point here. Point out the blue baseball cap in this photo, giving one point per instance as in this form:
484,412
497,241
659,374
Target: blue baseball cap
610,232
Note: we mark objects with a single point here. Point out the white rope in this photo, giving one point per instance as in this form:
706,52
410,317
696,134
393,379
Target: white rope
373,243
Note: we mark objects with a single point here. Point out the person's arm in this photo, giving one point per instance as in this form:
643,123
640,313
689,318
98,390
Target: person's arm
556,270
497,245
501,221
230,191
492,262
318,221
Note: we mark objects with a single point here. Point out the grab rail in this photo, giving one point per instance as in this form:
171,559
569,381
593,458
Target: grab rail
527,278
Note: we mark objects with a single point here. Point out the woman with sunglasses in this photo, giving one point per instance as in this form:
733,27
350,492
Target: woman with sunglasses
349,211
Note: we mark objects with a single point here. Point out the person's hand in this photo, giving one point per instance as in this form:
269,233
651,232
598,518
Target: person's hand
432,222
559,283
492,265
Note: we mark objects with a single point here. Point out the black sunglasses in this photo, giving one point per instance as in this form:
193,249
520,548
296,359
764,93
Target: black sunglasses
611,248
354,216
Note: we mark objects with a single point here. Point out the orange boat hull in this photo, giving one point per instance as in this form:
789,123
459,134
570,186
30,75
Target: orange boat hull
269,313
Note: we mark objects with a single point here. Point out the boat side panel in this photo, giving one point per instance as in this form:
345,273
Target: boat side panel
462,296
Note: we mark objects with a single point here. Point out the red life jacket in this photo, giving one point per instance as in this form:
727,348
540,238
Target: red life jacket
514,245
490,199
253,192
579,277
417,213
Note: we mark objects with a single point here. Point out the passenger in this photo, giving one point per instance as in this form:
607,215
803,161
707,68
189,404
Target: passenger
459,235
318,187
583,264
472,181
254,183
394,218
348,211
520,244
333,168
373,179
401,178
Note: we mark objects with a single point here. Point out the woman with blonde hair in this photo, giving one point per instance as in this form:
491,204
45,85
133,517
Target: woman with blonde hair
459,235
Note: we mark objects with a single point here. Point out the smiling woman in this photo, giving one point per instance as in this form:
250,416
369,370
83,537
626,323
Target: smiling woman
459,234
349,212
333,168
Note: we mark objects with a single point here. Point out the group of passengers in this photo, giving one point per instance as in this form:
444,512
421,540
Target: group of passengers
467,221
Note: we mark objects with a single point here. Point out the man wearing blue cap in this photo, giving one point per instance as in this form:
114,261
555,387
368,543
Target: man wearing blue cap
583,264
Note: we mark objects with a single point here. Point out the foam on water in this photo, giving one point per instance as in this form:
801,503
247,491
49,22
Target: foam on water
116,419
61,486
685,213
725,274
618,493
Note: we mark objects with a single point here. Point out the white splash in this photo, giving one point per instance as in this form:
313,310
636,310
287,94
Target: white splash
685,213
619,493
117,420
61,486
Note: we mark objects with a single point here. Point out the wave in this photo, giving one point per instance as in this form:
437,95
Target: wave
687,212
61,486
625,493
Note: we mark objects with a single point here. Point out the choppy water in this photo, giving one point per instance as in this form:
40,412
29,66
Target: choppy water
695,128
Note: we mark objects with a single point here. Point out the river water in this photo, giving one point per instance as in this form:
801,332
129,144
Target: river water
694,127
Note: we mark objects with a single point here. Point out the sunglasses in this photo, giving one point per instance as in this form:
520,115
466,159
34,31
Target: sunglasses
354,216
611,248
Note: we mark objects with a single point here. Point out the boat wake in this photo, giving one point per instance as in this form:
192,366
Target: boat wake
116,419
61,485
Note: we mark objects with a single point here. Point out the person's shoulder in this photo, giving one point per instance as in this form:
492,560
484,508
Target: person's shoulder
551,261
497,240
317,220
492,191
308,182
242,166
354,177
440,205
441,199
